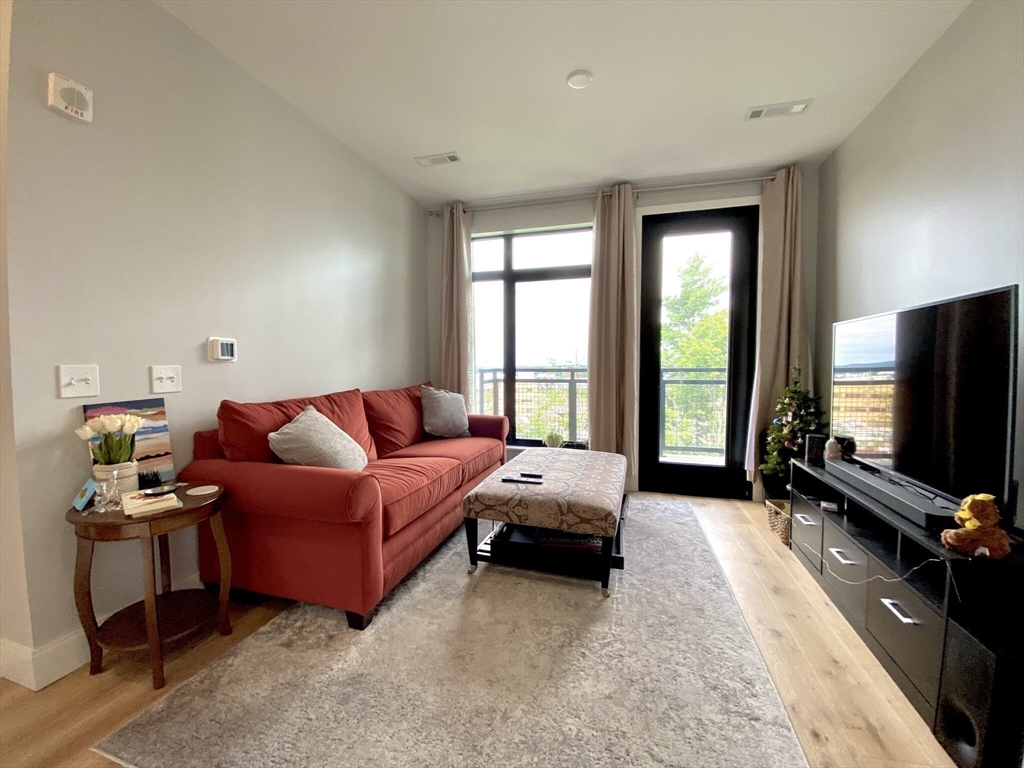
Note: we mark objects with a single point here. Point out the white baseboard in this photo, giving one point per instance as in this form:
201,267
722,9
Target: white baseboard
16,663
36,668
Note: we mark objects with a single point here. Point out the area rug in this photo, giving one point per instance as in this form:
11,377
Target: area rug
502,668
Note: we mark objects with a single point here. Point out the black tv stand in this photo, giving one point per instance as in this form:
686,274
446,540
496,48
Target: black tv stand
943,625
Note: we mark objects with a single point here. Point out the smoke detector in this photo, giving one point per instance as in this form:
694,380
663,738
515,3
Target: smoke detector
445,158
778,110
579,79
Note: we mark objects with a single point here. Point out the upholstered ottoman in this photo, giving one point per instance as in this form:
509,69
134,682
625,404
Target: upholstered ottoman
581,492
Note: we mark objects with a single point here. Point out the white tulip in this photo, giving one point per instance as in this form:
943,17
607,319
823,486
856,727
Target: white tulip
112,422
131,425
85,432
96,425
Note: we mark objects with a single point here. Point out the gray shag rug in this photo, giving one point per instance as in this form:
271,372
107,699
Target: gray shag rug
501,668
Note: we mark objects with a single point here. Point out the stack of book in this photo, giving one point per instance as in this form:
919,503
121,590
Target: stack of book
137,503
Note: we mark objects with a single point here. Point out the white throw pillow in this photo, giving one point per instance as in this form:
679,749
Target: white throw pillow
444,413
313,440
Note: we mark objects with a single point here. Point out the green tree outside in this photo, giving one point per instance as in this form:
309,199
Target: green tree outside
694,334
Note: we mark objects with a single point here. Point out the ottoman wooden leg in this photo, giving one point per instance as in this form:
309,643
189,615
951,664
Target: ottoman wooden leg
606,562
471,540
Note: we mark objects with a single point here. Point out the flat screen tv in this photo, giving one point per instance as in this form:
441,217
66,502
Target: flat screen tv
928,393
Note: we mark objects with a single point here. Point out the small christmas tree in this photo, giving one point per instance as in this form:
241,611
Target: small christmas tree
799,414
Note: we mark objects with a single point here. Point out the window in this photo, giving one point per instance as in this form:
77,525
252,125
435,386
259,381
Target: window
531,317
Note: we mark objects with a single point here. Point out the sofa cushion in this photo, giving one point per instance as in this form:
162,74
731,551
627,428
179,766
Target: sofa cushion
313,440
409,487
395,418
243,427
444,413
475,454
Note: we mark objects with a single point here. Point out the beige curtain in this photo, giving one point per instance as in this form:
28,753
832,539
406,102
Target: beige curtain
456,302
781,306
613,362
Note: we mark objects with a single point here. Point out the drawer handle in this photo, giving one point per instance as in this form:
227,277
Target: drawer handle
897,611
839,555
804,519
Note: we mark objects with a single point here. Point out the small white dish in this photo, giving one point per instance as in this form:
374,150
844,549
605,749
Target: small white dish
202,490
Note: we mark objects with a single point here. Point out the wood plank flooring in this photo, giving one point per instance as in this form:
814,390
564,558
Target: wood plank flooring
845,709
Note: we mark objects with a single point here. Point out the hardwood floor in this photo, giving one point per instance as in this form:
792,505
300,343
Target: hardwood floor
845,709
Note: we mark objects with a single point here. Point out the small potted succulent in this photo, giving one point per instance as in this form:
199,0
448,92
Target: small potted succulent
553,440
113,448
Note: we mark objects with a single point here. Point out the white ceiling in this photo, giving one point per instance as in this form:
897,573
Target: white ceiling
393,80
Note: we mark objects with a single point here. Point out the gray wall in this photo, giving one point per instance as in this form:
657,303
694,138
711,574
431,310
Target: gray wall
198,203
14,613
925,199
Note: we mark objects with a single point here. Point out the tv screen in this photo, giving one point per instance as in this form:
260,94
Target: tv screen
927,393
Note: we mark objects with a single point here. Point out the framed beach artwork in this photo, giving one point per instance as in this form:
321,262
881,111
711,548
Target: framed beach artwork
152,441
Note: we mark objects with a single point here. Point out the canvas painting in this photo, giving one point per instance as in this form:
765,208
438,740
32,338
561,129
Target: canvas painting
152,441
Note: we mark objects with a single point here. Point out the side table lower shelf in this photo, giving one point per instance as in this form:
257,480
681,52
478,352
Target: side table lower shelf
178,613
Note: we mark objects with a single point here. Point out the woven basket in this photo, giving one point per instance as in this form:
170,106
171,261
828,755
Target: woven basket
778,518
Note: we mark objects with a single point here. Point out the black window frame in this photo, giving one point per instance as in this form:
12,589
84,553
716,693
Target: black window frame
511,277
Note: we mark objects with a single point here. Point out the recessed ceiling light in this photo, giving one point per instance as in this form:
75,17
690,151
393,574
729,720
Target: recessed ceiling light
579,79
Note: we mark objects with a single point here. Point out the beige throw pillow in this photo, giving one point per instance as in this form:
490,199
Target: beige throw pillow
444,413
313,440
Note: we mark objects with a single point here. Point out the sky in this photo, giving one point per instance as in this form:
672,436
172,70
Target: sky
868,341
552,317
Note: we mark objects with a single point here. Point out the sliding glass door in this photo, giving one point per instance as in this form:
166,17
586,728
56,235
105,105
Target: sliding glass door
697,323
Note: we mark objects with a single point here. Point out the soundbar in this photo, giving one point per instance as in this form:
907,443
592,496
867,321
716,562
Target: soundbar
900,499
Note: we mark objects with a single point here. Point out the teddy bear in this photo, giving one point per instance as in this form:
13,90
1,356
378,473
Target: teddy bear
980,535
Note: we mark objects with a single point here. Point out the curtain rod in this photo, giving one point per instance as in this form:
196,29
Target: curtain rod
520,202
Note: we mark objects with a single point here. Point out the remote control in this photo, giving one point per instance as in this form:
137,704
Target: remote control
534,475
523,480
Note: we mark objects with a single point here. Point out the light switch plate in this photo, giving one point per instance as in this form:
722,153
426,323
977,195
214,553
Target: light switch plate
164,378
78,380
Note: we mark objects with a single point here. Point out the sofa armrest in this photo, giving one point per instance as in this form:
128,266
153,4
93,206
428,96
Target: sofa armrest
486,425
286,490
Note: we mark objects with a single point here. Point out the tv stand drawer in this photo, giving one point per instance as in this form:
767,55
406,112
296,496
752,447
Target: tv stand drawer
808,523
910,631
844,562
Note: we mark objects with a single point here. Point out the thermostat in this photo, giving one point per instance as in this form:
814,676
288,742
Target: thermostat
222,349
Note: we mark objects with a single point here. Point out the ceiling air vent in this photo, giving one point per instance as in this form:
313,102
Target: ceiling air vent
445,158
778,110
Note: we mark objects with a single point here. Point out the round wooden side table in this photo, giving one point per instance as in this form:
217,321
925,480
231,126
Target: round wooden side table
158,618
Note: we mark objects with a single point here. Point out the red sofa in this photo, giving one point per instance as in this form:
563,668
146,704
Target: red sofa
330,536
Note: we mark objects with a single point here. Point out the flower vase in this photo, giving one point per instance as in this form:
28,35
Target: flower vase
127,474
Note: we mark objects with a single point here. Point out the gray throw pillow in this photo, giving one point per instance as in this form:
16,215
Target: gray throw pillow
444,413
313,440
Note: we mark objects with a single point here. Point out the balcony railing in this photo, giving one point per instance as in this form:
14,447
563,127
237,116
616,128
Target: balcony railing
548,399
554,399
692,408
